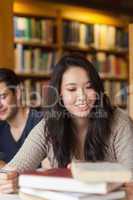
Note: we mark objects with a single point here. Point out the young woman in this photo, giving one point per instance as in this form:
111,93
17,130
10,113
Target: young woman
79,123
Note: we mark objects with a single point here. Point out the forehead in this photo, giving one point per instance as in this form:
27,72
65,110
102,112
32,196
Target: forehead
3,88
75,75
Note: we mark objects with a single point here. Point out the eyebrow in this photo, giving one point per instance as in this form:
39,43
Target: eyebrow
73,84
3,93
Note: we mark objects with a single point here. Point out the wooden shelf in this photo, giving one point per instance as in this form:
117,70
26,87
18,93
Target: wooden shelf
34,75
91,49
112,78
86,15
48,75
6,34
34,8
71,47
35,43
116,51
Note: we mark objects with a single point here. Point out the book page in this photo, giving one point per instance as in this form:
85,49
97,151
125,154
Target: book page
9,197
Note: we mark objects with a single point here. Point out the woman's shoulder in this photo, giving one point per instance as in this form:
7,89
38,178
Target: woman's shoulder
120,119
120,116
38,129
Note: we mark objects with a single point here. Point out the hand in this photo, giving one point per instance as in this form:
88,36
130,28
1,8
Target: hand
46,164
69,166
8,181
2,163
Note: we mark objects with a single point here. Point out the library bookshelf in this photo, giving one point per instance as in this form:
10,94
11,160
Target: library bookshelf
100,36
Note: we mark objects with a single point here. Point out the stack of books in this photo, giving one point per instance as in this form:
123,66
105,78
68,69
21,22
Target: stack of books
85,181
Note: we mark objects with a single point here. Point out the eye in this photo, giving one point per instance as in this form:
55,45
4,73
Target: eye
3,96
71,89
88,87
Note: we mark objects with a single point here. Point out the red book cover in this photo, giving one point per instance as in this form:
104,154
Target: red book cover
56,172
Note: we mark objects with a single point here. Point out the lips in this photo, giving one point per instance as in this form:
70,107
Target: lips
82,107
2,112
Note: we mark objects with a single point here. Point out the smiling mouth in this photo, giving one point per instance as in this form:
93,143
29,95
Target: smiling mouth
2,112
82,107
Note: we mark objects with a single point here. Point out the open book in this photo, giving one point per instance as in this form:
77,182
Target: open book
100,172
61,180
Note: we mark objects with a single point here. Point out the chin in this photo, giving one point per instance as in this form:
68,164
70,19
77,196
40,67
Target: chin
3,118
81,114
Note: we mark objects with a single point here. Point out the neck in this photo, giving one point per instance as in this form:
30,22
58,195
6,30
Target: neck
81,124
19,118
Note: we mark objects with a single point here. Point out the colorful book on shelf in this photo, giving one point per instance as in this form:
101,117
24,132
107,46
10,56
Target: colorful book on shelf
103,36
121,38
96,36
34,194
77,34
111,35
100,172
62,180
29,28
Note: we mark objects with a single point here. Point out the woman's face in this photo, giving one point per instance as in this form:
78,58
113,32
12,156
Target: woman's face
77,93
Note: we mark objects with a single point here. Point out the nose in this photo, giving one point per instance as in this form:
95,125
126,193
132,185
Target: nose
81,96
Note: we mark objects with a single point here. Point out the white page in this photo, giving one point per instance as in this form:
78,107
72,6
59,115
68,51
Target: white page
9,197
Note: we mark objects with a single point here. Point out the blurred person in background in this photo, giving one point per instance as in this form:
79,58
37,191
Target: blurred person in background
16,121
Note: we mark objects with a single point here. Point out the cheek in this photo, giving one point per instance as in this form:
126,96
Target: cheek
92,96
68,99
4,103
10,102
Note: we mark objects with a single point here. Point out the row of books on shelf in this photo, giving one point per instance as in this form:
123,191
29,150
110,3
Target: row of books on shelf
39,60
33,59
74,33
85,181
109,65
99,36
34,93
117,92
34,29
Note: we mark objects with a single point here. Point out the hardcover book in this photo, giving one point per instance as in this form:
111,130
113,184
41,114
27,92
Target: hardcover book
62,180
90,172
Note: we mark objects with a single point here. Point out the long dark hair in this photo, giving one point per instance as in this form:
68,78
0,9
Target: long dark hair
58,121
